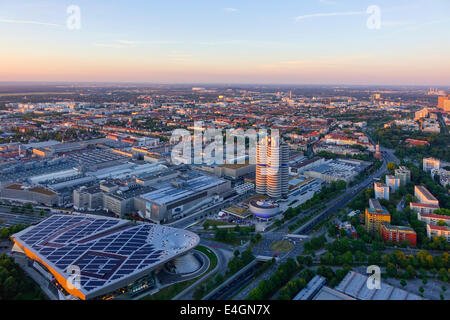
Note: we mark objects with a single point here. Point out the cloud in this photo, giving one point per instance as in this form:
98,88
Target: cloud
123,43
327,2
393,23
230,9
109,45
330,14
30,22
421,25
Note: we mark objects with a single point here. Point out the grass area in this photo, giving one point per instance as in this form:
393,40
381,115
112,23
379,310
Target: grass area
213,223
168,293
281,246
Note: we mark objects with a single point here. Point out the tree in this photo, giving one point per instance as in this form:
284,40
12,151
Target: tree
403,282
391,270
421,289
391,166
10,285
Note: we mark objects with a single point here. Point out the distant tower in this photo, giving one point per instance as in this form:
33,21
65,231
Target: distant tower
378,152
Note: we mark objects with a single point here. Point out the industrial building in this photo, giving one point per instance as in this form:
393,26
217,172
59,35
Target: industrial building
338,169
34,193
190,190
355,285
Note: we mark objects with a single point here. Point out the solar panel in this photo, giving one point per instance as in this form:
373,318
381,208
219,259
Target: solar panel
109,253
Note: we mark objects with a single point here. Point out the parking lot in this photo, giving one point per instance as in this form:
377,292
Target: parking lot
12,219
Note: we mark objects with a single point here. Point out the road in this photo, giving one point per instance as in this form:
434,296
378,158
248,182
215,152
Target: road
333,206
185,222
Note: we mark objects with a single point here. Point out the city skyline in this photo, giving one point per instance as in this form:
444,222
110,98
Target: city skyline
317,42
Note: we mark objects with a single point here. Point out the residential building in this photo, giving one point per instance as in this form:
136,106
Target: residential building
433,219
393,183
438,231
431,163
423,207
404,174
374,218
424,195
381,191
398,234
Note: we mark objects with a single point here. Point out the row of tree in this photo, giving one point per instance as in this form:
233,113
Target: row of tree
14,284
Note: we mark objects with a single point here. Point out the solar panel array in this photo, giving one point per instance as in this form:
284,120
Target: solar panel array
106,250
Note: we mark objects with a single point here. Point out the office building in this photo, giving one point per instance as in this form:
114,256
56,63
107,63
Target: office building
88,198
272,170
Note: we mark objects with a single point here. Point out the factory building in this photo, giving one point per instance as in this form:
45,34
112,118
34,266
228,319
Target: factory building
178,198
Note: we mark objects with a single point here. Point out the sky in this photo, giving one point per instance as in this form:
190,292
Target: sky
376,42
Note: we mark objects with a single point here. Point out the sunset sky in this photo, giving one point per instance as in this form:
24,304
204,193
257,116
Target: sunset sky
213,41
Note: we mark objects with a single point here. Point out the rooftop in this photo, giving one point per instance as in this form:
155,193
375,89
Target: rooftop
109,252
182,187
355,285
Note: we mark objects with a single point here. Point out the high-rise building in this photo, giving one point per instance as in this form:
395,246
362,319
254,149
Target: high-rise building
374,218
444,103
431,163
381,191
404,174
393,183
272,170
